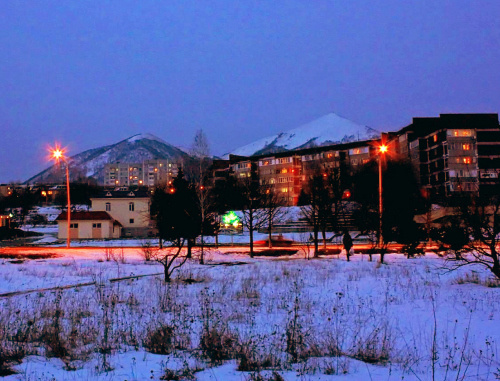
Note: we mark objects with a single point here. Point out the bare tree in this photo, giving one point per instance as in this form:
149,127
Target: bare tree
272,202
316,207
200,147
200,150
482,221
177,220
170,257
250,203
207,215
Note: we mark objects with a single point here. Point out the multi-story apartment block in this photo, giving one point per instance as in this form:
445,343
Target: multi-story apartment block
287,172
240,167
147,173
123,174
454,152
450,153
283,174
156,172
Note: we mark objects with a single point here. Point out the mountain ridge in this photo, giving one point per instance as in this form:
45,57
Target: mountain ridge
328,129
90,163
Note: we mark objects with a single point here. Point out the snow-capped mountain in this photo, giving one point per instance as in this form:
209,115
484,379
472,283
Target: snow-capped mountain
91,163
329,129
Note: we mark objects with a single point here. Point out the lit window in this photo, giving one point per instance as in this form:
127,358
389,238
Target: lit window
284,190
435,138
467,160
466,147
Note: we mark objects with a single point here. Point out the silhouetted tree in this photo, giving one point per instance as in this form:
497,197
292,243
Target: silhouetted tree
316,206
401,201
20,202
250,201
272,203
481,219
207,214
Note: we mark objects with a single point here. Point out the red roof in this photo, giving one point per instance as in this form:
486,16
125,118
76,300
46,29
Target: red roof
85,216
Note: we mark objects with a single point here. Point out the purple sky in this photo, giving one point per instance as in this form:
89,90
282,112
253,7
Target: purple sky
92,73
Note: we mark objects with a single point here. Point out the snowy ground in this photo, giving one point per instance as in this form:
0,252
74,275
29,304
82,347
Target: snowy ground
289,317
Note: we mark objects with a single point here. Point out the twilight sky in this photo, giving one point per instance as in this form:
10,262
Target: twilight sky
90,73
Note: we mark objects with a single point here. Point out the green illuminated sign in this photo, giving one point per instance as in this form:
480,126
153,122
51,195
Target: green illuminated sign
231,218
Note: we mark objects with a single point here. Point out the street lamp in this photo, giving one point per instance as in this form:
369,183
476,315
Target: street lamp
57,154
382,150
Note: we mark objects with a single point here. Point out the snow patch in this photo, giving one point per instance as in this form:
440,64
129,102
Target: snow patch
329,129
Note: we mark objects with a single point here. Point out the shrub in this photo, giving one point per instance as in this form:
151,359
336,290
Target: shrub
148,250
218,344
160,340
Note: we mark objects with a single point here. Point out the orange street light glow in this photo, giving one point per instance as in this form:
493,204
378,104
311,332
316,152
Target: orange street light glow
382,148
57,153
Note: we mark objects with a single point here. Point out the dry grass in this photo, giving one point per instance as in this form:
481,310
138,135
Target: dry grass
270,316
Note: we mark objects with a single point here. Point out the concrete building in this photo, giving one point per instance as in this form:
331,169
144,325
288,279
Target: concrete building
450,153
287,172
88,225
147,173
454,153
130,208
283,174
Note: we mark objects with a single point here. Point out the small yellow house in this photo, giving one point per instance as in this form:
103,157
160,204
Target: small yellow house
130,208
88,225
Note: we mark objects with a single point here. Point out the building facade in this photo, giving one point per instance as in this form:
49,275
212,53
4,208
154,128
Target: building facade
449,154
148,173
130,208
454,153
287,172
88,225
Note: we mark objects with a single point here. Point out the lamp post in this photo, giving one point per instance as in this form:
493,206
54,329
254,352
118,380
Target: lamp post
382,150
57,154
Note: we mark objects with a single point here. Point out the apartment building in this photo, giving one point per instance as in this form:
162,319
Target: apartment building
454,152
450,153
282,173
148,173
287,172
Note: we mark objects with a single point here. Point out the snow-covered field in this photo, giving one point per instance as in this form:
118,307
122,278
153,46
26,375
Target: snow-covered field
237,318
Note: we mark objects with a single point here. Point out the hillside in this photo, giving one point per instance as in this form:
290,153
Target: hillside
329,129
91,163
